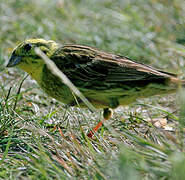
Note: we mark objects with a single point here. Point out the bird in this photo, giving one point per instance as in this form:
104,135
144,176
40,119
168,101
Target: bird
107,80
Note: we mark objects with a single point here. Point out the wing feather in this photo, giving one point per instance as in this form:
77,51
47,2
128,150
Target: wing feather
82,63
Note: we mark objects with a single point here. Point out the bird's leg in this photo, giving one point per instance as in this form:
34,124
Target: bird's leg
107,113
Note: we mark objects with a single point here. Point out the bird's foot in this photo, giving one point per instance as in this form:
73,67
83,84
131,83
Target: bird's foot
107,113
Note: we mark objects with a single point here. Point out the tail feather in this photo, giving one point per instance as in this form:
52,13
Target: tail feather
177,82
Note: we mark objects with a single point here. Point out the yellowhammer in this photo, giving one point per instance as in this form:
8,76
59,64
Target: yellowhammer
105,79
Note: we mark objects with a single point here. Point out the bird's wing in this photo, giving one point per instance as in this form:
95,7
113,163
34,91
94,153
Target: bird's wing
83,64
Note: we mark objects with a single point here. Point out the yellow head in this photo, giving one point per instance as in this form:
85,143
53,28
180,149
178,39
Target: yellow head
24,56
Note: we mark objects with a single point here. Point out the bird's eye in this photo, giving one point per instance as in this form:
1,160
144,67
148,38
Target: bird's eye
44,51
27,47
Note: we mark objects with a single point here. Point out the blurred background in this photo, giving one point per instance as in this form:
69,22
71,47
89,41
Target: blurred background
148,31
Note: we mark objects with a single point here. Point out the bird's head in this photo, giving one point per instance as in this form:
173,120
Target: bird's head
24,56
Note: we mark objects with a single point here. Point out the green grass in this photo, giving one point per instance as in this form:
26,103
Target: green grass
128,146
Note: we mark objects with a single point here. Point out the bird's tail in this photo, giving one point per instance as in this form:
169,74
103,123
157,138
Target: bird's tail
177,82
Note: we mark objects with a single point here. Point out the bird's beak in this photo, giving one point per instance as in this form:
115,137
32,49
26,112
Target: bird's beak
13,61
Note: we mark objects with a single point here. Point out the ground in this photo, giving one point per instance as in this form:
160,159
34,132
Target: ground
41,139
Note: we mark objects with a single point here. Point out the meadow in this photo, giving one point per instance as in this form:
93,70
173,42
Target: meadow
42,139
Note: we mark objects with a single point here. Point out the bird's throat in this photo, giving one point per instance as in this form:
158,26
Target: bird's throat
35,72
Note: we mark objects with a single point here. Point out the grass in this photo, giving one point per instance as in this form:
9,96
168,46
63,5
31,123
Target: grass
40,139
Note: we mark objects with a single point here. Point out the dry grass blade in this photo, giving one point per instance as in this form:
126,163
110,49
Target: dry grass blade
55,70
61,161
